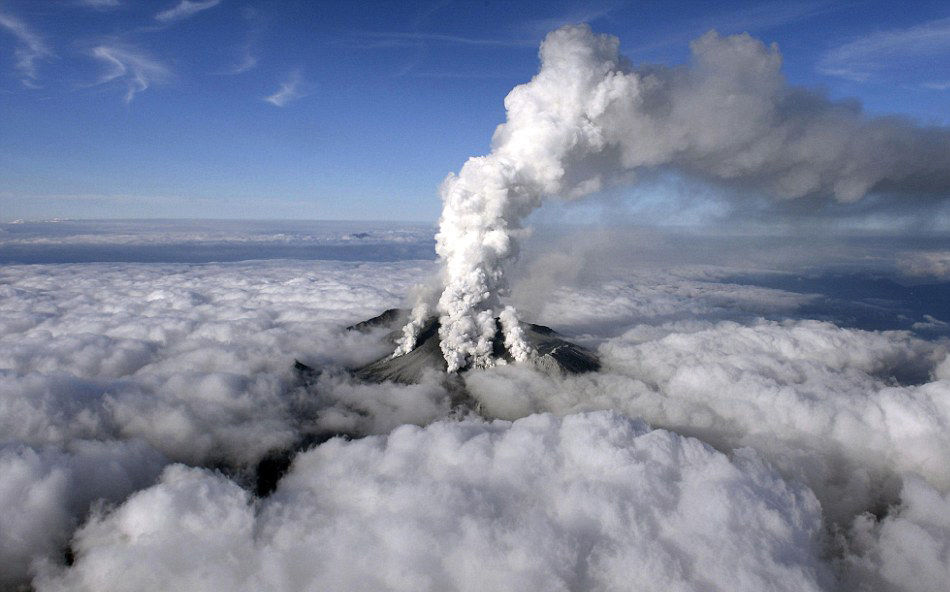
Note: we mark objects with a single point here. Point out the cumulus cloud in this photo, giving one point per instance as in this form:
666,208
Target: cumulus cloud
192,362
30,48
110,371
45,493
288,91
909,550
196,361
589,119
594,502
136,70
185,9
845,411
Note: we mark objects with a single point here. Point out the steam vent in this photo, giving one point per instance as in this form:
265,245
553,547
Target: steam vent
553,354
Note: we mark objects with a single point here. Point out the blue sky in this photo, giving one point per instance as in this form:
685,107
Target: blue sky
307,110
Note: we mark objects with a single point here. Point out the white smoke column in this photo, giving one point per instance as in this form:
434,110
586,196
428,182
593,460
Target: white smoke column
417,318
514,335
588,119
483,205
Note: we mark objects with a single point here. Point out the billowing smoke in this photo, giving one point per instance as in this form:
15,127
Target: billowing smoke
588,120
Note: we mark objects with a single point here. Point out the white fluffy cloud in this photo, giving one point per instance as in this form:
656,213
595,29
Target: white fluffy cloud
110,371
593,502
909,549
197,360
824,404
45,494
189,363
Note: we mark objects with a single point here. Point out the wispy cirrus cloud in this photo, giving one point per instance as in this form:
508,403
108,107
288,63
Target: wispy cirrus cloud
100,3
588,12
760,16
248,57
130,66
30,48
860,59
767,15
185,9
288,92
452,39
388,39
248,61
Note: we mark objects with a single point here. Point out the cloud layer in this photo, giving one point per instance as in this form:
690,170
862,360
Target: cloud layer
46,492
907,550
797,392
593,502
819,454
185,358
129,366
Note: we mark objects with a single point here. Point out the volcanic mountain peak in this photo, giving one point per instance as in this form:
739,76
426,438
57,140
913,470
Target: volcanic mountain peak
553,354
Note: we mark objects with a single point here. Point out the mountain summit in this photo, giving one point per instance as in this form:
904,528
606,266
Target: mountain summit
553,354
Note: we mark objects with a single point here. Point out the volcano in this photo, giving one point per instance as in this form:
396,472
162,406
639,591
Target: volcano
553,354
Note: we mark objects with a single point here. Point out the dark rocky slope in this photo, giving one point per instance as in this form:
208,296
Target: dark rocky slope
553,353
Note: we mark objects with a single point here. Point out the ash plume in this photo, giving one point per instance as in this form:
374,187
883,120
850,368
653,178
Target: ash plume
589,120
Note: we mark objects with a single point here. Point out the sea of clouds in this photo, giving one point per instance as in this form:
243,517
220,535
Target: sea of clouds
740,436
